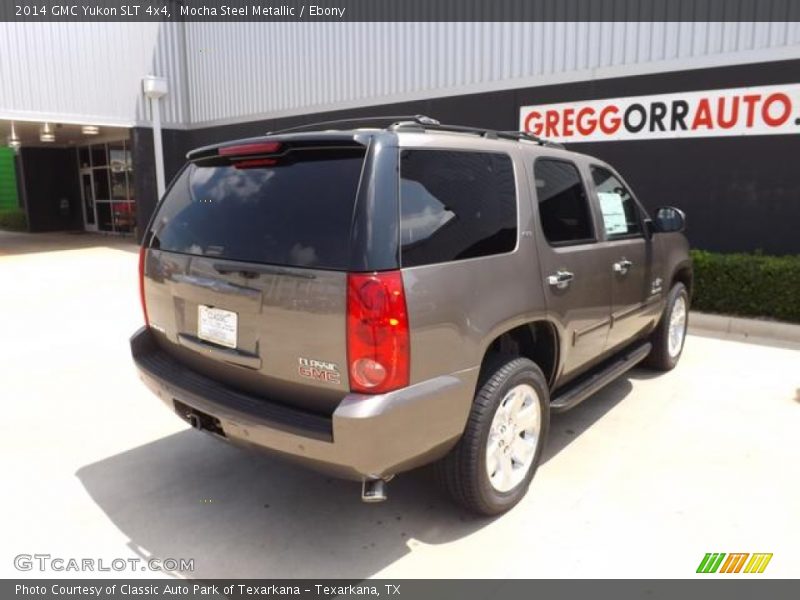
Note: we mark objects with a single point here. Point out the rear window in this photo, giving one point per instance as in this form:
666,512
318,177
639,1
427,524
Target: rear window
563,204
456,205
297,213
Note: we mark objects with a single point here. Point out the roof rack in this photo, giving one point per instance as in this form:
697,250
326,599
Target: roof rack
392,120
529,137
424,123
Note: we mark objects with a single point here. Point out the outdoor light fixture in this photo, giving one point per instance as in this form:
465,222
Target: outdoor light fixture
13,140
46,133
154,89
90,130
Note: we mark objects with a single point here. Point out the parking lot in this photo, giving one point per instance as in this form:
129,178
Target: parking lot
639,481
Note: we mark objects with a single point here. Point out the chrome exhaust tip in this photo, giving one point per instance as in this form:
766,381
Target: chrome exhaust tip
373,490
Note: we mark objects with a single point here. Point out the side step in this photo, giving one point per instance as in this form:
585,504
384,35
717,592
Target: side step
576,393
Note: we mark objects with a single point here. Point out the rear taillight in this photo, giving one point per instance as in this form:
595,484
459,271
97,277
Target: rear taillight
377,332
142,255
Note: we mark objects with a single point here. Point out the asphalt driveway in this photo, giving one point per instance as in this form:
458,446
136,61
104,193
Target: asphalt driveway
639,481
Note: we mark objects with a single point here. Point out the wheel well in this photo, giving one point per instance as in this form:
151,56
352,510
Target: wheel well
537,341
684,275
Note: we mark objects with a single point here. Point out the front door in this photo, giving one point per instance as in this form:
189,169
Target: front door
627,254
87,194
577,283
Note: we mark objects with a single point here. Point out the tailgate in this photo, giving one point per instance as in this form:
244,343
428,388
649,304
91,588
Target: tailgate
246,269
288,325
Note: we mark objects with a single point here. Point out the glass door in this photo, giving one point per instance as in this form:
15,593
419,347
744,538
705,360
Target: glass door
87,192
109,204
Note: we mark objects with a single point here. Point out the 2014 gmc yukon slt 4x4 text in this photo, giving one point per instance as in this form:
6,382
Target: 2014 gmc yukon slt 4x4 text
368,301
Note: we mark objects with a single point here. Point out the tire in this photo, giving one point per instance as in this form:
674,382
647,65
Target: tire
665,355
508,382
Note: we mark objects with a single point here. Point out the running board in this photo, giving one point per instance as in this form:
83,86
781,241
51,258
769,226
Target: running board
578,392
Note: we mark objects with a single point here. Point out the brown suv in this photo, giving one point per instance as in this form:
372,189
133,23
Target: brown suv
368,301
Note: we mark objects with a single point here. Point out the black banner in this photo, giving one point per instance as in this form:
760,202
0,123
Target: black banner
400,10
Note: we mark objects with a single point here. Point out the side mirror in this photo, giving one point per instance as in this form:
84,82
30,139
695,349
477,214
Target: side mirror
669,219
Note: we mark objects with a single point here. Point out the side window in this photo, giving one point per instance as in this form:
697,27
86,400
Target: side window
563,204
620,214
455,205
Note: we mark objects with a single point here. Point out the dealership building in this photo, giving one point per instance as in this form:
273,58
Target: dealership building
703,116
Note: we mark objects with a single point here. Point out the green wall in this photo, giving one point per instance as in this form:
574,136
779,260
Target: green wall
8,180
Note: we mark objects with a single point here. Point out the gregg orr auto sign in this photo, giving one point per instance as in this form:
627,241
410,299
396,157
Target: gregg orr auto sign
765,110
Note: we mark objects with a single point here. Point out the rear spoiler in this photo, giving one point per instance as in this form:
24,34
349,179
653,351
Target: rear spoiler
278,145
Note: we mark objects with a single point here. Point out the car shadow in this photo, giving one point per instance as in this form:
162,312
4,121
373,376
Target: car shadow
242,514
566,427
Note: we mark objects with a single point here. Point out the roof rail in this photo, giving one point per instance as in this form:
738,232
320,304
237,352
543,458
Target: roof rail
393,120
424,123
487,133
524,135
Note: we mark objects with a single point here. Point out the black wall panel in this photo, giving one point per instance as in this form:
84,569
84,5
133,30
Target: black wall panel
176,144
50,176
740,193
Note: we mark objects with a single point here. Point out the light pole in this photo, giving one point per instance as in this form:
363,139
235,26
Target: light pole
154,88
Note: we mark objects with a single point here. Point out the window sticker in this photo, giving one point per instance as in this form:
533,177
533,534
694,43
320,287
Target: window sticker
613,213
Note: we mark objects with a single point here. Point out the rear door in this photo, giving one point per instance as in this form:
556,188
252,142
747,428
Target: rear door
246,271
627,254
576,281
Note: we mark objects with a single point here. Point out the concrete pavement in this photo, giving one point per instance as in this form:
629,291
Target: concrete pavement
639,481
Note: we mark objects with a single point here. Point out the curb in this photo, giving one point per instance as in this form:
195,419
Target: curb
741,328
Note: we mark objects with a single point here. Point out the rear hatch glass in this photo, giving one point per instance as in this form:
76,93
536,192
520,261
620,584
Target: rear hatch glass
297,212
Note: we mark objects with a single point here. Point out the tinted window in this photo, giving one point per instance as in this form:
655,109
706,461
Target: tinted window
563,205
620,215
456,205
297,213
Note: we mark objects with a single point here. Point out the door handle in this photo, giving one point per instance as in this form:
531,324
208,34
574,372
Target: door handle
561,279
623,266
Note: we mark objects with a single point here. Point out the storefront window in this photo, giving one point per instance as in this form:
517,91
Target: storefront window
116,157
124,216
104,221
110,206
99,157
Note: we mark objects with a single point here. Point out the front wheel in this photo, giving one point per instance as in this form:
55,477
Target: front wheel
491,467
669,336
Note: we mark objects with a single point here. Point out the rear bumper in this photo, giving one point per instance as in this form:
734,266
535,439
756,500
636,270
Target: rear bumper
366,436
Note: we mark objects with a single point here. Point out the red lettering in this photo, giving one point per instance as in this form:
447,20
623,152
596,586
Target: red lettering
765,109
569,121
702,118
734,116
609,124
551,119
750,100
535,128
586,123
319,374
